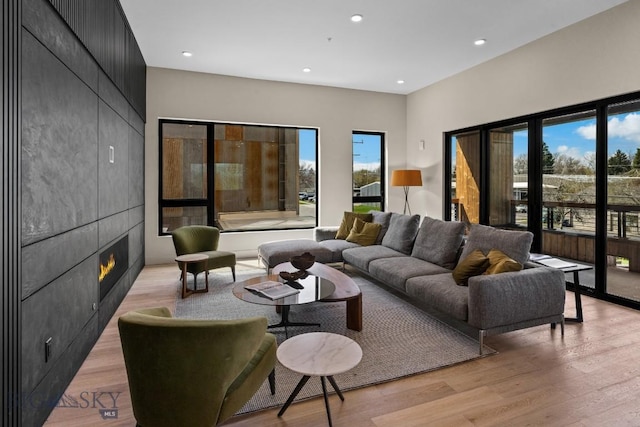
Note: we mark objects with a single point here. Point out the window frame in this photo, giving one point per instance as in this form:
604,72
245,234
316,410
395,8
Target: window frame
209,201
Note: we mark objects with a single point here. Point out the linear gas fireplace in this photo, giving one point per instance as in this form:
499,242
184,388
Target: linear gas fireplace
114,262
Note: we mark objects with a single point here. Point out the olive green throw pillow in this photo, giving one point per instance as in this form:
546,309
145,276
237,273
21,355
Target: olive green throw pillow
347,223
364,233
473,265
499,262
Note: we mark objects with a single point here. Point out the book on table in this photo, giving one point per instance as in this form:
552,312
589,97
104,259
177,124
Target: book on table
556,263
273,290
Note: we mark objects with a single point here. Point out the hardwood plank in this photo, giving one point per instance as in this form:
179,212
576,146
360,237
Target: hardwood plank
591,377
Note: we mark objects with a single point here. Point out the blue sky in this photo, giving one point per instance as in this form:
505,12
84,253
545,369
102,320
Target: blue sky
575,139
578,139
365,155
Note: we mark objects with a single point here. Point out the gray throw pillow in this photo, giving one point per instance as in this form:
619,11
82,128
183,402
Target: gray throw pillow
382,218
402,232
438,242
515,244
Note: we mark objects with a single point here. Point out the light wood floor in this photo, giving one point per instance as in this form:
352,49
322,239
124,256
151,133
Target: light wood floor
589,378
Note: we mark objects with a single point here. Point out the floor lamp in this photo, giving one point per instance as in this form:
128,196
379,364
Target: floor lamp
406,178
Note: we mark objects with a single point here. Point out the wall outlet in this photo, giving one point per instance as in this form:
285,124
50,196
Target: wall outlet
112,154
47,349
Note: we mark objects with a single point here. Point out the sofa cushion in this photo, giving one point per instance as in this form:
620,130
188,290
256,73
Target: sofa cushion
395,271
440,292
347,223
499,262
438,241
361,256
336,246
277,252
516,244
402,232
382,218
474,264
363,233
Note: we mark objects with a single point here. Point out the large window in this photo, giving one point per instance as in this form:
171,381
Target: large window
237,177
571,176
368,167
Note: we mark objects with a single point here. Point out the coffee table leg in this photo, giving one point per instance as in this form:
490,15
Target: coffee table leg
295,392
335,387
326,400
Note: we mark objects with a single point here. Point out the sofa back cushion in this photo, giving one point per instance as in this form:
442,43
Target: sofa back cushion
382,218
402,232
515,244
438,242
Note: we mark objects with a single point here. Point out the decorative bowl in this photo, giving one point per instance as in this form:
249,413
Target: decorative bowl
293,276
303,262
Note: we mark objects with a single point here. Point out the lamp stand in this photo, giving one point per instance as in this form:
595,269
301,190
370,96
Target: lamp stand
406,200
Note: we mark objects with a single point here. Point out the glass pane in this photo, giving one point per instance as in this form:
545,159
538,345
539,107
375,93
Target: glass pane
184,161
465,177
568,188
509,165
262,181
173,218
366,182
623,208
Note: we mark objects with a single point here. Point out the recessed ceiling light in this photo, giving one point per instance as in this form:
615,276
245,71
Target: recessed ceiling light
186,53
356,18
306,69
400,82
480,42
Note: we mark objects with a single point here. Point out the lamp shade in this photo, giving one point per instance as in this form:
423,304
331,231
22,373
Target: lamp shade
406,178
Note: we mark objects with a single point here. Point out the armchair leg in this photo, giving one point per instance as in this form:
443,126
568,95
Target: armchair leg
272,381
233,272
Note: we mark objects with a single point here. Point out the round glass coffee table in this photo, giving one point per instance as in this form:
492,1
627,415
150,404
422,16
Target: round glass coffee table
319,354
313,288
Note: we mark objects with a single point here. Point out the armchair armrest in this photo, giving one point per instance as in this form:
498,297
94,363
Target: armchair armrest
508,298
325,233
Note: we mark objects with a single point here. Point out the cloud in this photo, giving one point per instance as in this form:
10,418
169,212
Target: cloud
587,132
308,163
628,128
562,149
367,166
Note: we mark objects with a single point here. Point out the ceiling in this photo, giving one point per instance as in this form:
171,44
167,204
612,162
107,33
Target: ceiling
417,41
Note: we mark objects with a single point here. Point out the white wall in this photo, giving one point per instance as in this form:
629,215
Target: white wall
593,59
336,112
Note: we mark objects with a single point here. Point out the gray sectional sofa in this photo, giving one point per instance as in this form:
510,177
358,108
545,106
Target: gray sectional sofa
418,259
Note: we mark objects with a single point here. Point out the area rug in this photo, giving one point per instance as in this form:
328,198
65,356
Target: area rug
397,339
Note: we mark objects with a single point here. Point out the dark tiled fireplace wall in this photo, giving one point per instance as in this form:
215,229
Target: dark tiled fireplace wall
80,107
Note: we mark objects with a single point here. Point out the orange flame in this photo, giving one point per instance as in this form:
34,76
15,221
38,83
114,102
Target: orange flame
106,269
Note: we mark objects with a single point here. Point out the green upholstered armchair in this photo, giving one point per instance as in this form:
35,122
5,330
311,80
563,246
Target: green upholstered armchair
185,372
202,239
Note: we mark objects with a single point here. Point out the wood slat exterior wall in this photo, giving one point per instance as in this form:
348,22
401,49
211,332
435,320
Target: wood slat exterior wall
468,176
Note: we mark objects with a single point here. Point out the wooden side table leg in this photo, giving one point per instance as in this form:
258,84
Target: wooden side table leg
354,313
184,280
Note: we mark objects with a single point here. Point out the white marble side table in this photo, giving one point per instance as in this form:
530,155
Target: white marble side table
319,354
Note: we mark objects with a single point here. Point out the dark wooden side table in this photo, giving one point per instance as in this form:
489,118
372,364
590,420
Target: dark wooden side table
567,267
187,259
